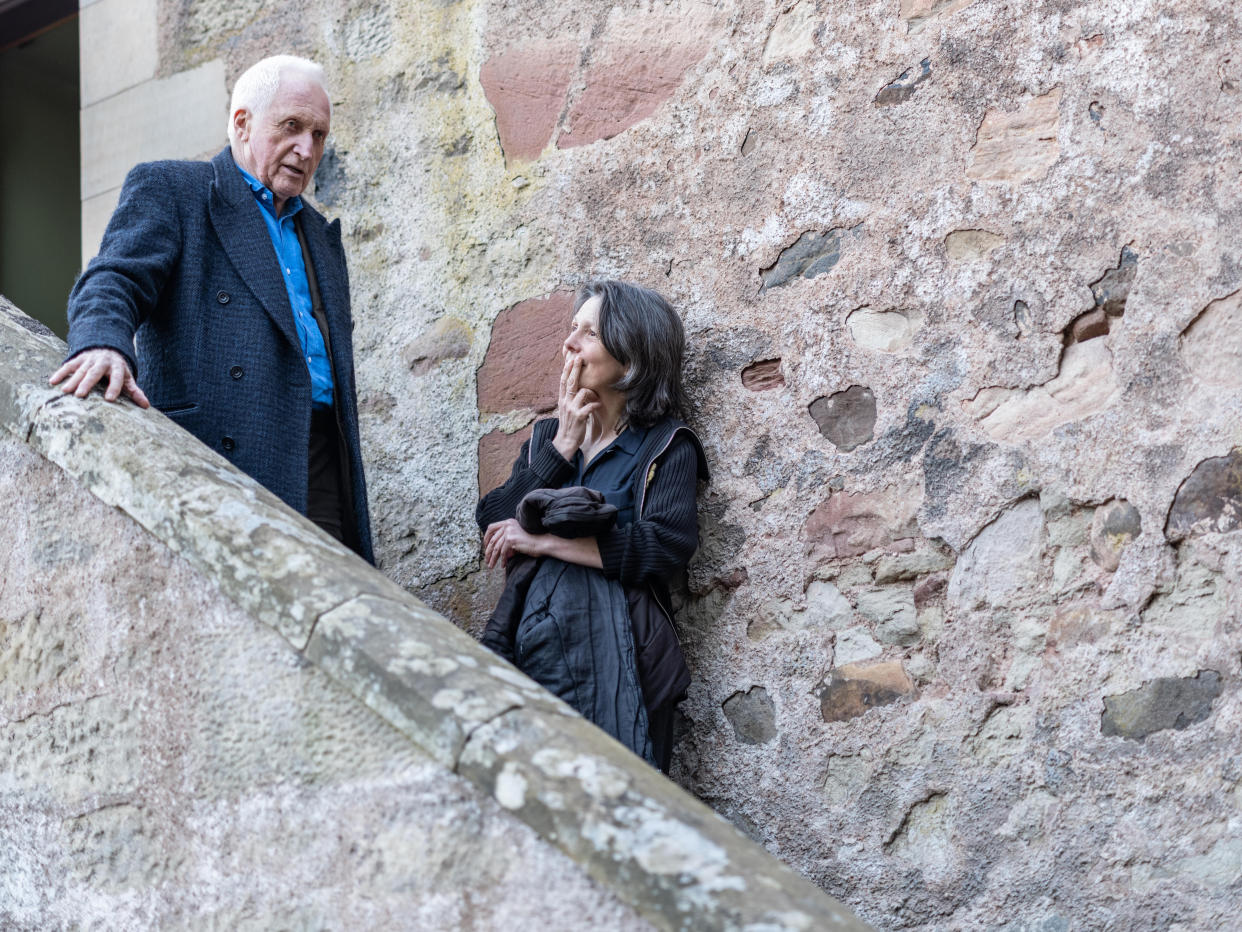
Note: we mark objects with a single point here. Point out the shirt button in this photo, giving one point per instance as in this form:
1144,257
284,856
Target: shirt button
227,444
237,372
222,297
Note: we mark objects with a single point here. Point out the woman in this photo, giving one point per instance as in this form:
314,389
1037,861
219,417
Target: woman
618,432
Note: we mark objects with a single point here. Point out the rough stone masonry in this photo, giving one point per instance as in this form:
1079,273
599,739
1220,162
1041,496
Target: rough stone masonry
962,282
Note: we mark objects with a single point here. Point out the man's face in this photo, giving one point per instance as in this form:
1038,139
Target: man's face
282,145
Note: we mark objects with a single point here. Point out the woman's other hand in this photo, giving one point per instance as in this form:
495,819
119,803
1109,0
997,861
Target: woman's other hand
505,538
574,407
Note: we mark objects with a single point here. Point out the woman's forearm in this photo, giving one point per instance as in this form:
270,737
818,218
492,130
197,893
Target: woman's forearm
583,551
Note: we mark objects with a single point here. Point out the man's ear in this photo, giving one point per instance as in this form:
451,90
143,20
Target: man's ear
241,124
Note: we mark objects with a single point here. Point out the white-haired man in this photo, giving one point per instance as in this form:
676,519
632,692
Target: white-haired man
223,298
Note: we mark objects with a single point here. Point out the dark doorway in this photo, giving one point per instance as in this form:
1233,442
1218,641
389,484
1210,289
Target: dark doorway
40,169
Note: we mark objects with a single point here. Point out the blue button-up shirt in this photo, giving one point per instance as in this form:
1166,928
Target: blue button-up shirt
289,254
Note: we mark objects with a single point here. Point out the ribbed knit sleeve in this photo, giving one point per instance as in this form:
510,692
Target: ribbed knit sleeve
548,470
662,541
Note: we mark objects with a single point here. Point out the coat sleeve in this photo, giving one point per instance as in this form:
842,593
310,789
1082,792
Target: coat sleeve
662,541
121,286
547,470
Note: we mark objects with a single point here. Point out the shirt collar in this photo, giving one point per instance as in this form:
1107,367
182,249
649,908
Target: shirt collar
630,439
265,196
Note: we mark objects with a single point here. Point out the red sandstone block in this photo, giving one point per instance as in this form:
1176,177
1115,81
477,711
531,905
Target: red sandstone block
526,86
522,368
497,451
627,85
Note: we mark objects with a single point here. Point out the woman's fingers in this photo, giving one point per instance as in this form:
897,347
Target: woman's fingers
569,362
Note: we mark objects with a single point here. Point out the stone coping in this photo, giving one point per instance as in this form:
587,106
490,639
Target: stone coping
667,855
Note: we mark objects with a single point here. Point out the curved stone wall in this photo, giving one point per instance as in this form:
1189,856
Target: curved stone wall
961,282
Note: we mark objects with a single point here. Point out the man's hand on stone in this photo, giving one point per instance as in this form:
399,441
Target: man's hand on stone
85,370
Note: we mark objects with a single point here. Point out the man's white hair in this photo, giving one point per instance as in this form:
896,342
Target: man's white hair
258,84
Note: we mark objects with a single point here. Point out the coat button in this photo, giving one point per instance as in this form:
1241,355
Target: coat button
222,297
228,444
237,372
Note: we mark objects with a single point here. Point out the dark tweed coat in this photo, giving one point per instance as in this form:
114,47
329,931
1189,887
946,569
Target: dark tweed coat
187,271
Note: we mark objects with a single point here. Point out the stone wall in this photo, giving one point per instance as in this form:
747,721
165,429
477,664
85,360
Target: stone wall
212,715
961,280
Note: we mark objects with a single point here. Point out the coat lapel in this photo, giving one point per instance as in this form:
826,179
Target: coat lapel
244,236
323,241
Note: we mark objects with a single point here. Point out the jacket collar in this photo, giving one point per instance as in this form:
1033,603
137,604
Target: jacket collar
243,234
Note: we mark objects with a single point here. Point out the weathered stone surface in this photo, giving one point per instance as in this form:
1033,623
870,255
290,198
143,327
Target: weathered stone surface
1087,327
1219,867
1085,384
1113,526
448,338
918,13
854,645
772,616
811,254
1211,346
826,607
1112,288
1001,565
429,679
641,65
850,524
752,715
497,453
904,87
1167,702
925,837
666,849
891,610
847,418
763,375
885,331
852,690
526,86
1209,501
970,245
1192,608
898,567
1018,146
522,368
793,35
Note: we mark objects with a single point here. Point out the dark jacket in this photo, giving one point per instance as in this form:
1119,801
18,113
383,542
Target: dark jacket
187,270
567,627
642,556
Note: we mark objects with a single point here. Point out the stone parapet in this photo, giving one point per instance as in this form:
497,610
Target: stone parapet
672,859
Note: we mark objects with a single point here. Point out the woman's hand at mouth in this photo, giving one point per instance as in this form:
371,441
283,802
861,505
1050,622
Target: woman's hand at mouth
574,407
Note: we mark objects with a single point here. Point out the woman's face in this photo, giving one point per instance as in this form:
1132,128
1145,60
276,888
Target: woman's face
600,372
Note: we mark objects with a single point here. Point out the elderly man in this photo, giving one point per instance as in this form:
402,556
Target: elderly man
223,297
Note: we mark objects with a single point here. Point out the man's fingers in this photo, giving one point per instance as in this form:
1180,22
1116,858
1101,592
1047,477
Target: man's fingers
74,384
116,381
65,370
136,393
90,378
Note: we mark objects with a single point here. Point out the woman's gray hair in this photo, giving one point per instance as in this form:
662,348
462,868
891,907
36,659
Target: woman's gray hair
259,83
641,331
